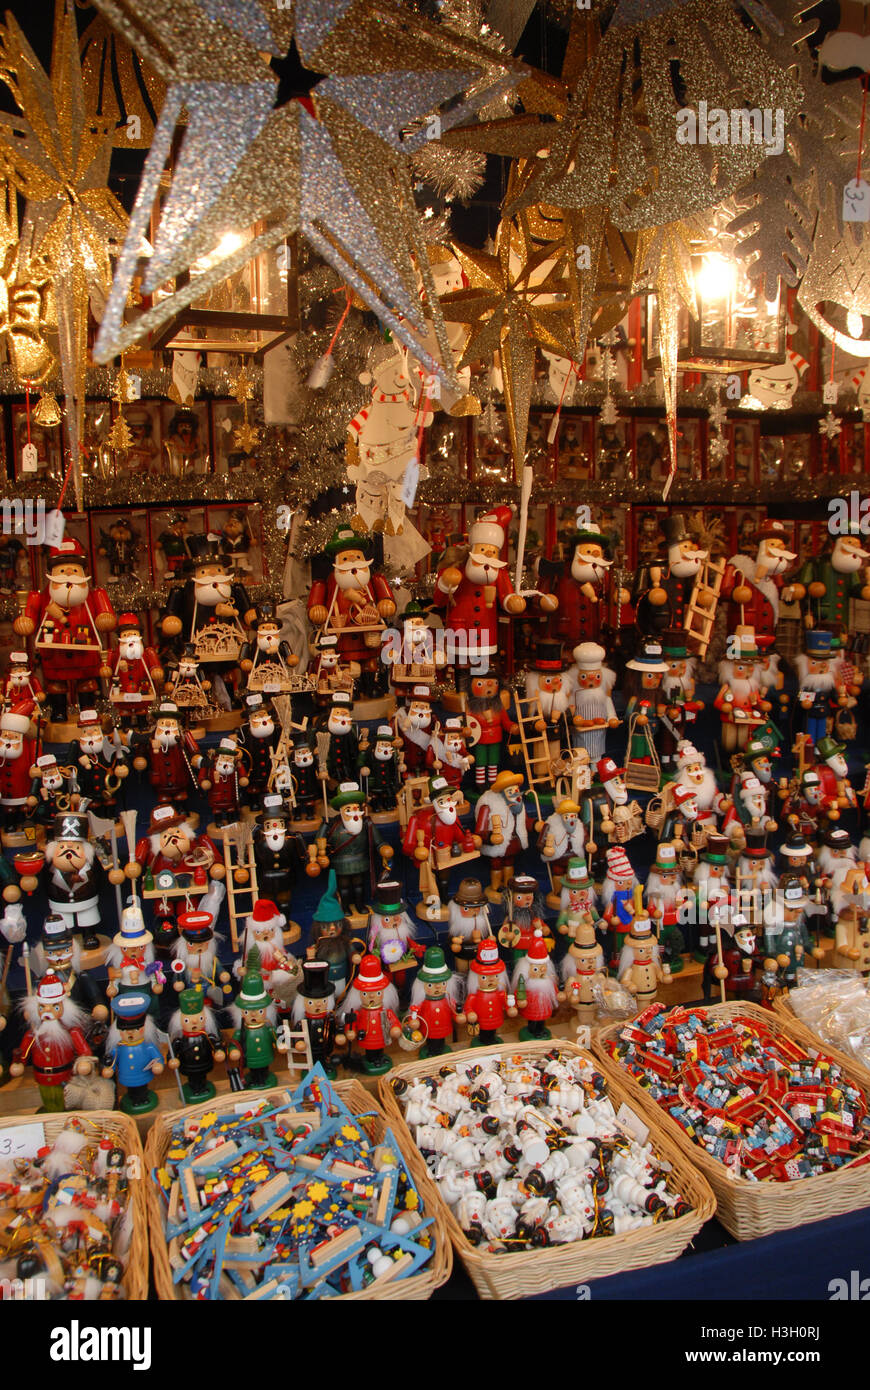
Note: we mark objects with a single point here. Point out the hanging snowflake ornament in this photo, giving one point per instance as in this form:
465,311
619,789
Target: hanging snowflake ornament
717,414
829,426
329,161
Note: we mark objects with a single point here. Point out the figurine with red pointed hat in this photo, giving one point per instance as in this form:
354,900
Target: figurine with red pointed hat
18,751
536,986
68,620
55,1043
488,1000
369,1015
471,598
755,584
264,928
136,674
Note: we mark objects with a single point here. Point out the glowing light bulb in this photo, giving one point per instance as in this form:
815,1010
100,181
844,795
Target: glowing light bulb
717,277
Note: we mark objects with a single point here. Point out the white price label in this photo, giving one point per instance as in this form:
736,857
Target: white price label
631,1121
134,386
409,484
29,458
22,1141
830,391
272,688
54,528
131,697
856,201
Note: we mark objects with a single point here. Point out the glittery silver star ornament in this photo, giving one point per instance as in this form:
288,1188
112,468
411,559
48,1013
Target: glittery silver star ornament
332,165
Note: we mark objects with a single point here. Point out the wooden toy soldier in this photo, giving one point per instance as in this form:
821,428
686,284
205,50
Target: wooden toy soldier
331,941
268,660
351,842
196,1045
255,1040
820,691
593,712
69,619
369,1014
19,683
488,1000
101,766
640,968
54,1044
136,673
132,1053
755,584
663,588
315,1003
468,922
59,952
379,764
486,705
259,738
211,595
434,832
435,1000
536,987
581,588
582,967
342,759
306,783
503,824
278,853
17,754
172,755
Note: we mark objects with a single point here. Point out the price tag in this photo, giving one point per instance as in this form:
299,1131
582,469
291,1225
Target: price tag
131,697
272,688
409,484
134,386
631,1121
830,391
24,1141
856,201
54,528
29,458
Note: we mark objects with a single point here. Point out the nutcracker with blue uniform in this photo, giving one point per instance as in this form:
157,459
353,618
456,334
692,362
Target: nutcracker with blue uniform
255,1040
819,695
195,1045
369,1014
315,1002
132,1054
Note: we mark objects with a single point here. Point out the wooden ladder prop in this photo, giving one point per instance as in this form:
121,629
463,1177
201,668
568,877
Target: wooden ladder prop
413,795
642,777
701,610
296,1060
281,753
239,854
534,743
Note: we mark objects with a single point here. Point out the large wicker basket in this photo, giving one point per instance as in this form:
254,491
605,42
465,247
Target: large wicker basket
358,1100
122,1131
746,1208
782,1007
516,1275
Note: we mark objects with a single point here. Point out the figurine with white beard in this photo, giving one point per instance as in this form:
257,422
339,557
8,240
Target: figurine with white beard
624,819
354,603
536,986
593,709
754,585
693,772
259,739
821,692
663,588
836,857
748,809
741,706
278,853
209,598
282,973
832,579
681,710
136,673
467,922
414,728
581,589
552,686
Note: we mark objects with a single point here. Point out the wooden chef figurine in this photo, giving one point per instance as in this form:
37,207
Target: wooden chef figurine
196,1045
369,1014
488,1001
315,1003
435,1000
593,710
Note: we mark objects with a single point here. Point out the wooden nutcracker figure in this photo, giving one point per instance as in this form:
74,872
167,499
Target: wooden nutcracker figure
448,756
55,1043
195,952
307,785
488,1001
173,847
536,987
623,818
581,588
132,1053
434,838
68,620
681,709
353,604
255,1041
258,737
487,711
19,682
59,952
136,674
369,1014
351,844
755,584
582,967
268,661
561,837
195,1044
548,681
73,877
640,968
171,756
342,759
734,965
663,587
315,1003
435,999
223,777
821,692
645,704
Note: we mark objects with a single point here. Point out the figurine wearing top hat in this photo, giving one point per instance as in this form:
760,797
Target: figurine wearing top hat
353,603
315,1002
547,681
379,764
663,588
222,777
278,852
132,1053
68,619
645,703
306,783
101,764
342,759
581,587
170,755
136,673
236,540
209,597
268,660
259,739
175,544
820,692
196,1045
59,952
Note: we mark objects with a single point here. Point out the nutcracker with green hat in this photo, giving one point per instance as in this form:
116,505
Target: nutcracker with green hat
195,1045
834,773
435,1001
369,1015
255,1039
350,844
353,603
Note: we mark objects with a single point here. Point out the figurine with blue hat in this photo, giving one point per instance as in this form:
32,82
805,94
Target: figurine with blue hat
133,1056
821,692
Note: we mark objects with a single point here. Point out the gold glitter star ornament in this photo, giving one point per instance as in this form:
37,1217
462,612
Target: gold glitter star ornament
332,165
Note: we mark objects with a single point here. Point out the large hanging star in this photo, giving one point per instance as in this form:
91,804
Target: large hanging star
518,300
328,161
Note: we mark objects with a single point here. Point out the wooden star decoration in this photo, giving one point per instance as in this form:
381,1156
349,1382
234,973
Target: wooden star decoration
331,164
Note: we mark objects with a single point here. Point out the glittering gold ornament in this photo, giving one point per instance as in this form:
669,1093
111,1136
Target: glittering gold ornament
47,412
627,142
58,160
119,436
119,87
332,166
835,291
246,436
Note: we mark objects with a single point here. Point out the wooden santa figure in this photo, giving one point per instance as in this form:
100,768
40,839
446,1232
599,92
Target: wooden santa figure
754,584
136,672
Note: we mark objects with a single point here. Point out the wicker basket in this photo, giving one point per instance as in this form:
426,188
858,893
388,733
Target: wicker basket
358,1100
117,1127
782,1007
516,1275
746,1208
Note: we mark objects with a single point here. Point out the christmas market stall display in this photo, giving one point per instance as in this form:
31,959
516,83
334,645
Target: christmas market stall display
545,1174
73,1218
290,1194
780,1130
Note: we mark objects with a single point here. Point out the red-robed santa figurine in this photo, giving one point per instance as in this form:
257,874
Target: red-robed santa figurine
172,843
19,683
353,603
17,758
438,825
69,619
136,672
581,587
754,585
170,755
471,598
